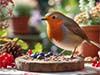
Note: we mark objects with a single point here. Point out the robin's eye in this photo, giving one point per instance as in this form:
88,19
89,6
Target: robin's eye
53,17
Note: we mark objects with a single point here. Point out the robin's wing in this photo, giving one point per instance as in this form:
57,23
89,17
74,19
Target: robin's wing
74,27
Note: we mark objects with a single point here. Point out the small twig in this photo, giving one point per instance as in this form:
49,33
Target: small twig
14,44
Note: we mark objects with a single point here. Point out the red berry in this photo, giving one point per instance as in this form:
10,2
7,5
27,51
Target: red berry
9,58
1,57
94,63
29,52
98,64
4,64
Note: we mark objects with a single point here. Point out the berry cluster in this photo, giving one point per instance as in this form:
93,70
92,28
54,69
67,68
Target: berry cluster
12,48
96,63
39,55
6,60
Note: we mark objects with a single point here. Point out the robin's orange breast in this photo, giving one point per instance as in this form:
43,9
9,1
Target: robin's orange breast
54,31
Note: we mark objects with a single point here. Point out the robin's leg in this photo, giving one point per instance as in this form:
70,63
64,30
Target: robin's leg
61,52
74,51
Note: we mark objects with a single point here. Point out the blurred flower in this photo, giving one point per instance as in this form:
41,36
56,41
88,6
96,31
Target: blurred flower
35,19
90,17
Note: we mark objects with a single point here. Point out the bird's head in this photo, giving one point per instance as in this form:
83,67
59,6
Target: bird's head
54,18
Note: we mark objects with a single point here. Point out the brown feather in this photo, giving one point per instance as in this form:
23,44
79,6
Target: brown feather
74,27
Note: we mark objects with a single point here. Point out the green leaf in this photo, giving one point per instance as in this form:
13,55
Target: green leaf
3,33
37,48
21,43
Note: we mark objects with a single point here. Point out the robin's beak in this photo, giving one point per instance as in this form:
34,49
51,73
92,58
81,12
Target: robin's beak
44,18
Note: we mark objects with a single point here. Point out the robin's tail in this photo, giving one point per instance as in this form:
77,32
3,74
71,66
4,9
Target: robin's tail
95,43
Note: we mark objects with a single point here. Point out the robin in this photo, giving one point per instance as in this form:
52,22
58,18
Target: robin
65,33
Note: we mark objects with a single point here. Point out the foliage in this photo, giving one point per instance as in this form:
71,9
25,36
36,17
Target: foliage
37,48
22,10
21,43
69,7
3,33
